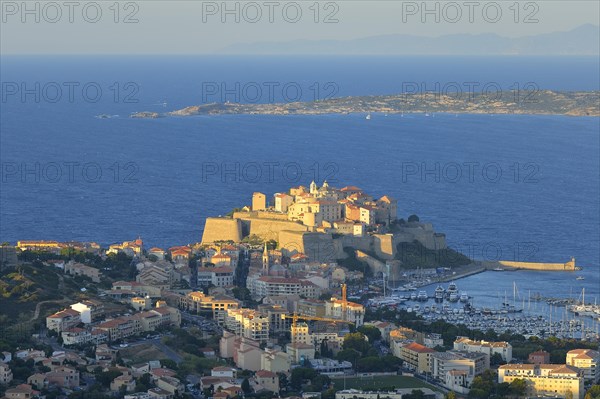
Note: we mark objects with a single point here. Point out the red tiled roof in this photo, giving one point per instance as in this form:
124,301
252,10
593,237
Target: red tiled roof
350,188
265,374
415,347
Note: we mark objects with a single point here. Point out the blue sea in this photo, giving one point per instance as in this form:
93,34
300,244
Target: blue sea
516,187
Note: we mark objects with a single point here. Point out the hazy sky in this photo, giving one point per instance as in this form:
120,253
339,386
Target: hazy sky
200,27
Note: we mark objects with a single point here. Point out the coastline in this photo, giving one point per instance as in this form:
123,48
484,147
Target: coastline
545,102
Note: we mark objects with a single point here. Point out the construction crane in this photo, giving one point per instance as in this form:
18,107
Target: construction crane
295,317
344,301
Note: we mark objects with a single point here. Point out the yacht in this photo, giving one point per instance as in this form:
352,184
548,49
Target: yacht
452,289
453,297
439,293
413,297
422,296
464,297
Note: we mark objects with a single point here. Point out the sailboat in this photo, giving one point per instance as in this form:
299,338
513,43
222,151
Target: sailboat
368,117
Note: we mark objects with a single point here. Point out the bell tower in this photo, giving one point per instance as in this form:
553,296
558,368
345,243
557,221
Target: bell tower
266,261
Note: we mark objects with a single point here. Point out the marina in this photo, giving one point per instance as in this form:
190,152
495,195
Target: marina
515,310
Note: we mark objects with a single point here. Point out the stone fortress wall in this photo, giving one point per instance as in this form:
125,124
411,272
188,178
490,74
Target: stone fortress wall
294,237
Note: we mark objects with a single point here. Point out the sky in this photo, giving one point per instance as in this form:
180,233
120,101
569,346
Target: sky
207,27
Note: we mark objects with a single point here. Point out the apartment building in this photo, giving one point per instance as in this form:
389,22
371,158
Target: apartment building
588,361
272,286
90,310
6,374
216,276
80,336
63,320
200,303
417,356
504,349
545,379
456,370
349,311
79,269
248,323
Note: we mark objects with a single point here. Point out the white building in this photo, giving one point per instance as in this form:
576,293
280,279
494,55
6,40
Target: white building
216,276
349,311
248,323
273,286
504,349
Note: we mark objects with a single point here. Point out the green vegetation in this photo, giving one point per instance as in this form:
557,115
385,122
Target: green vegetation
486,386
253,239
187,341
23,288
415,254
372,332
363,356
593,392
308,379
557,347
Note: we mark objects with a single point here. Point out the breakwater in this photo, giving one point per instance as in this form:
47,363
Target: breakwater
563,267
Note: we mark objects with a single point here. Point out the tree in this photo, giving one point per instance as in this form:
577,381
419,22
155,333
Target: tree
496,359
241,293
518,386
371,332
593,392
169,363
106,377
349,355
357,342
413,218
283,381
450,395
299,374
246,386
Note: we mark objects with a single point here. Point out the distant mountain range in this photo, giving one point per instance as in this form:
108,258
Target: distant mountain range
584,40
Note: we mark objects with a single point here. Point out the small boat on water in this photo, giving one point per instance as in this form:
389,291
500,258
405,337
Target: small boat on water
498,269
413,296
464,297
439,294
368,117
422,296
580,278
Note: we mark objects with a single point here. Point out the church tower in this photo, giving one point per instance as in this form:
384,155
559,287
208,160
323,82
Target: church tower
313,187
266,261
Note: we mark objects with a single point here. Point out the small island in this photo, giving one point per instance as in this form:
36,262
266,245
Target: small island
543,102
